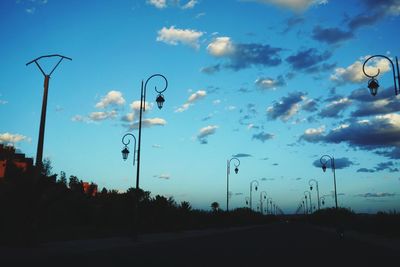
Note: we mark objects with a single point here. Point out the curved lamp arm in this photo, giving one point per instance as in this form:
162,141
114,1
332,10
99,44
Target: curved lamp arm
127,142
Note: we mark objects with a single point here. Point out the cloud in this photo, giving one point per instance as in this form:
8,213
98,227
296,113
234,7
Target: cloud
309,60
211,69
335,108
192,98
377,107
263,136
128,117
267,179
78,118
292,22
294,5
382,131
156,146
242,56
135,106
158,3
190,4
331,35
241,155
389,166
354,73
175,36
340,163
163,176
286,107
375,195
391,153
205,132
148,123
9,138
3,102
112,98
270,83
102,115
161,4
310,105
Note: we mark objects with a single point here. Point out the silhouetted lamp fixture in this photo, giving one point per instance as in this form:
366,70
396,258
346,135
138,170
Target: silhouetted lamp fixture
373,84
236,170
160,101
125,153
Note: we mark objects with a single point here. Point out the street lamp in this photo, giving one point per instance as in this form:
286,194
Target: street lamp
373,84
324,160
309,195
322,199
247,199
306,202
262,198
311,188
125,150
160,101
39,152
251,190
304,207
228,170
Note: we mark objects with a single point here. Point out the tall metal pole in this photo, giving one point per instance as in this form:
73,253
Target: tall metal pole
334,179
251,190
39,151
139,137
316,185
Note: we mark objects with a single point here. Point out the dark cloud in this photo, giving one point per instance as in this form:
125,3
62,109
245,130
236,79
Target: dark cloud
291,23
367,195
365,170
262,136
211,69
391,153
270,83
340,163
241,155
362,20
379,132
248,55
335,108
275,164
331,35
286,107
267,179
386,166
308,60
383,103
310,105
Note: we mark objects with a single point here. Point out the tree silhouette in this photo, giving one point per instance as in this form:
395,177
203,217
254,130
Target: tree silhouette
215,206
185,206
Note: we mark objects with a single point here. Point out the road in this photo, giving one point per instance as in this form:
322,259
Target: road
278,244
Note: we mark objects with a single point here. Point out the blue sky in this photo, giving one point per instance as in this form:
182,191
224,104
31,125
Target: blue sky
277,83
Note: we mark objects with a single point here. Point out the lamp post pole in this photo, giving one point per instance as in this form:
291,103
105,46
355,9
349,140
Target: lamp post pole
160,101
228,170
309,197
251,191
269,201
311,188
373,84
39,151
324,161
262,198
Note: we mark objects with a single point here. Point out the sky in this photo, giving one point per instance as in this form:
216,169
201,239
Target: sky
275,83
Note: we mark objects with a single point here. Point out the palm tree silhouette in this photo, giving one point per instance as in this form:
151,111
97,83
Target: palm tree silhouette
215,206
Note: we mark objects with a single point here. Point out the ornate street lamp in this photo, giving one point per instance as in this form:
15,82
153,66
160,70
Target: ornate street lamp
324,160
311,188
373,84
39,152
125,150
251,190
228,170
309,198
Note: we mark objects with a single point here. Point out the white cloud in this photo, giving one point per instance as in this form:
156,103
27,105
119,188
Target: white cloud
3,102
102,115
128,117
9,138
192,98
205,132
164,176
135,105
158,3
270,83
78,118
112,98
175,36
221,46
190,4
354,73
217,102
230,108
295,5
149,123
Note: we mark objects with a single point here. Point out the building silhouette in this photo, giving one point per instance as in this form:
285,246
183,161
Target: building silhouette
9,159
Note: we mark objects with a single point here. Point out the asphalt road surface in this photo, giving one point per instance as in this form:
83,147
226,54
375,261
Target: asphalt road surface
278,244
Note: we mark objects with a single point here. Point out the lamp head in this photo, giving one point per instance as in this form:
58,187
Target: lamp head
125,153
236,170
160,101
373,86
324,167
311,187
